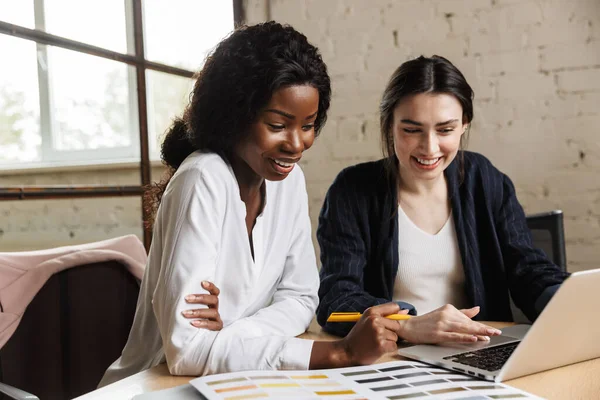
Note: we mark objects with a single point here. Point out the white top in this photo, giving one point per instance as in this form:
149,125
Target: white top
200,234
430,270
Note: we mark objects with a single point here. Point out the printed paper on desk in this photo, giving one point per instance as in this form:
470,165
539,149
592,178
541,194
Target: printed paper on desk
392,380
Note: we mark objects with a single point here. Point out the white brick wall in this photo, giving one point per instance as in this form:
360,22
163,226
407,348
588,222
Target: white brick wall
534,66
535,69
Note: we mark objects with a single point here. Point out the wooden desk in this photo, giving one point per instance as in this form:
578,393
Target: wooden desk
577,381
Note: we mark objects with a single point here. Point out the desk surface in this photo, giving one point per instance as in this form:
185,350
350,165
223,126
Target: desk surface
577,381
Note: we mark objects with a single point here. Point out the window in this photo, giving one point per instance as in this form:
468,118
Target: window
180,33
20,138
63,106
167,97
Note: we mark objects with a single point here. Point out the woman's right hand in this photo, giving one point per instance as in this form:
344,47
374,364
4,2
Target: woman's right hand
446,324
373,335
206,318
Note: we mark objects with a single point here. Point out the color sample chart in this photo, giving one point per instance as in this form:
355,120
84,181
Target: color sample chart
394,381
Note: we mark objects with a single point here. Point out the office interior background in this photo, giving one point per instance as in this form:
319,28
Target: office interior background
70,118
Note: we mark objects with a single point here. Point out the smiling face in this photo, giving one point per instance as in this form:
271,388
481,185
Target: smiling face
427,129
282,131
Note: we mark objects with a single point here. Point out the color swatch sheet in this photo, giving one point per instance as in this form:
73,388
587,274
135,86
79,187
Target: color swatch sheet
392,380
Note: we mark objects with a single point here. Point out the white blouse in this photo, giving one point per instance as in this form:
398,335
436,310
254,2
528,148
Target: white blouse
200,234
430,270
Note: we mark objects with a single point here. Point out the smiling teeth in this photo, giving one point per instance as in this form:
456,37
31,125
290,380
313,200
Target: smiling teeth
283,164
427,162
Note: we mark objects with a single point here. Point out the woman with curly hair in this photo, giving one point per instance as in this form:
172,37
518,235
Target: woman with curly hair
234,212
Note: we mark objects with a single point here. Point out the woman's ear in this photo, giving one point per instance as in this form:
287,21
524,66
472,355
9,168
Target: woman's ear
465,125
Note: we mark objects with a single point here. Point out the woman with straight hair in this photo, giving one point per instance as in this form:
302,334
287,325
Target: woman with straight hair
432,227
233,215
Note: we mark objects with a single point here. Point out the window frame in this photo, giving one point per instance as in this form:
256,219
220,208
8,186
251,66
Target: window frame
136,81
50,156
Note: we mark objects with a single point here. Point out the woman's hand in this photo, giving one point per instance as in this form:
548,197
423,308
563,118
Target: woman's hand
446,324
207,318
373,335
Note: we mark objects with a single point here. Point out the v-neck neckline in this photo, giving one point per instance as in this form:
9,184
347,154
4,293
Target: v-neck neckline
432,235
256,245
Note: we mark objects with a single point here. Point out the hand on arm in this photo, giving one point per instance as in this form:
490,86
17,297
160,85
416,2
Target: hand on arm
446,324
206,318
189,224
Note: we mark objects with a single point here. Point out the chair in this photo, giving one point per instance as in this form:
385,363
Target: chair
73,329
547,231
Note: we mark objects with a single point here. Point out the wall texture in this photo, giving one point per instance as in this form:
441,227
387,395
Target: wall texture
534,66
37,224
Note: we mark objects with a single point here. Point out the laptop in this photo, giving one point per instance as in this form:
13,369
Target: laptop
566,332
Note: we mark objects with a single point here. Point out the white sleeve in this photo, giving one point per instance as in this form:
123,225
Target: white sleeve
191,225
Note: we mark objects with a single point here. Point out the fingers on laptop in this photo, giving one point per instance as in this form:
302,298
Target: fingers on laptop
446,324
473,328
482,331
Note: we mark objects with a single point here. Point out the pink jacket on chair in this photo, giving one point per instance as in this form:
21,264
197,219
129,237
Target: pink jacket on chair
22,274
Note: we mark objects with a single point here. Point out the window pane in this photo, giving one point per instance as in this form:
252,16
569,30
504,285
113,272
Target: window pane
90,103
20,138
18,12
167,97
182,32
98,22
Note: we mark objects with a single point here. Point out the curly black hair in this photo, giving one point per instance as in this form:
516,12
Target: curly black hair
238,80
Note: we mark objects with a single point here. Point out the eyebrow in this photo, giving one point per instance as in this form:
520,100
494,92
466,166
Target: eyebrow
290,116
410,121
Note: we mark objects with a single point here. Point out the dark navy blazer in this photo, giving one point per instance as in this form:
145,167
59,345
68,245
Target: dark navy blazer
358,236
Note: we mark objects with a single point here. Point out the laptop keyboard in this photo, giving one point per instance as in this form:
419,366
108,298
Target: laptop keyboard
489,359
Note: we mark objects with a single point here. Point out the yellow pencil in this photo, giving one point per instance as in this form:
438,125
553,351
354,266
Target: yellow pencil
355,316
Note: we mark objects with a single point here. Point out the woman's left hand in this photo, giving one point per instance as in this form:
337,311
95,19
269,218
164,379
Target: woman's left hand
206,318
446,324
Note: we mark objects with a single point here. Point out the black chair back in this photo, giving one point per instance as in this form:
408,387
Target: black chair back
547,232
